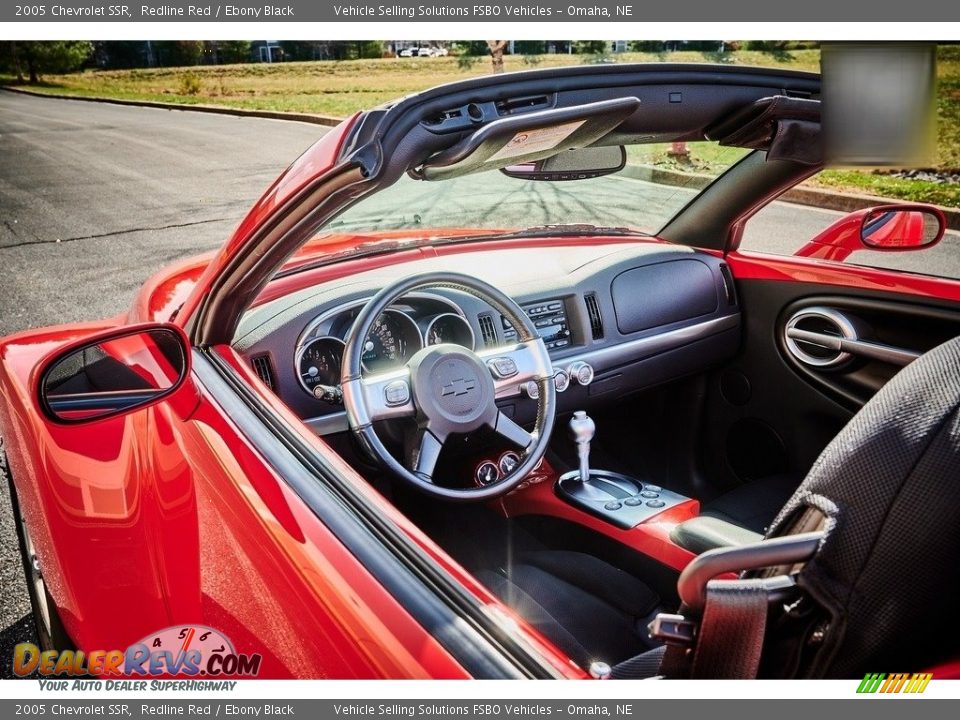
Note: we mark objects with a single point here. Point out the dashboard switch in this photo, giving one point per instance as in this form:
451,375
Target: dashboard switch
328,393
582,372
532,389
561,381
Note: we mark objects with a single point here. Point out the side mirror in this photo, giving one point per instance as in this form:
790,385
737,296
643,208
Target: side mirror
902,227
578,164
115,373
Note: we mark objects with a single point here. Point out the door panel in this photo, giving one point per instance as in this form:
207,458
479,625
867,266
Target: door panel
849,347
772,411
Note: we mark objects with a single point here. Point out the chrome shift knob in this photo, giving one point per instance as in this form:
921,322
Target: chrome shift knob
582,428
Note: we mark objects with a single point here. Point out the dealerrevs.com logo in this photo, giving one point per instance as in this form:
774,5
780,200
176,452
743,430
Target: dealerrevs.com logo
191,651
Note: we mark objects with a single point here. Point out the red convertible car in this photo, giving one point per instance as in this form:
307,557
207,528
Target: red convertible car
471,393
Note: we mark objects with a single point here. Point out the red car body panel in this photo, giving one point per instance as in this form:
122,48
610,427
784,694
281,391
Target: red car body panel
177,506
756,266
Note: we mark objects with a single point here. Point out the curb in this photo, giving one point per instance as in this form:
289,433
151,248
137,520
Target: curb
800,195
314,119
814,197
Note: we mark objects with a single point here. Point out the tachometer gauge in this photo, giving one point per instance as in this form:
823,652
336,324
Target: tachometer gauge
318,363
393,340
450,328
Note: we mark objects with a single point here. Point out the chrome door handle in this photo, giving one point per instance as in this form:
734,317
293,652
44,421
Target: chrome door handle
862,348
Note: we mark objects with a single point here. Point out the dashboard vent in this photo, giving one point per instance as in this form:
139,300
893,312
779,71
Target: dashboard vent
487,330
593,311
264,369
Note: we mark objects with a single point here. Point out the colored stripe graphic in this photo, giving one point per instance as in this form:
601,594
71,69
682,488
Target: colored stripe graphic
913,683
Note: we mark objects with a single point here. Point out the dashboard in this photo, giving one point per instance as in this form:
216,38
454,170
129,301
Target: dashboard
615,317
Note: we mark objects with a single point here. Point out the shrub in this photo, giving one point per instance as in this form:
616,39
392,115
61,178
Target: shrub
189,83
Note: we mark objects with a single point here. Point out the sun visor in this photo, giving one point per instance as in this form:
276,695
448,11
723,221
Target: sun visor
787,128
528,137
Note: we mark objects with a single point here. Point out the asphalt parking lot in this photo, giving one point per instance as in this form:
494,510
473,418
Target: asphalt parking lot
94,198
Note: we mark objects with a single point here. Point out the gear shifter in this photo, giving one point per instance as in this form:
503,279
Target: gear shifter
582,429
621,500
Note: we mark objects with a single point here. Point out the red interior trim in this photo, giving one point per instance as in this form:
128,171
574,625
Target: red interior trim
652,538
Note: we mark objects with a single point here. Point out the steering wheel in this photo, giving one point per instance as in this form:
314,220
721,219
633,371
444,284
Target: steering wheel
449,389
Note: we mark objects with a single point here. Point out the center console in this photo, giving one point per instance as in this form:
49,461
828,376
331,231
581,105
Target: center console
616,498
636,513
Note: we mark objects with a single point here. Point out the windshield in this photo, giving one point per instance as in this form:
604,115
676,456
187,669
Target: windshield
657,181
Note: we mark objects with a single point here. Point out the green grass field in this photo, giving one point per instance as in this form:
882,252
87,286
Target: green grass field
339,88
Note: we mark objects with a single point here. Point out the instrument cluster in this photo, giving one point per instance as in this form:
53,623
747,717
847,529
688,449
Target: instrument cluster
396,336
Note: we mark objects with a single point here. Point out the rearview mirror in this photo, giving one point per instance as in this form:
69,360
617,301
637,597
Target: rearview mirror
902,227
115,373
577,164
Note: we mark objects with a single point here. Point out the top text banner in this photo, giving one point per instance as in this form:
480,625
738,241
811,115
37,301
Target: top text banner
329,11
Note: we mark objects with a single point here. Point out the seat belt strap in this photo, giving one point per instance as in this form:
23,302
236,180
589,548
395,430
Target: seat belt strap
730,638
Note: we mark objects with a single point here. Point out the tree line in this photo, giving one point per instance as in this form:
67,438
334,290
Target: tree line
28,61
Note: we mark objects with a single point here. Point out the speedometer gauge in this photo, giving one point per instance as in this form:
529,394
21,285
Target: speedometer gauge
450,328
319,363
393,340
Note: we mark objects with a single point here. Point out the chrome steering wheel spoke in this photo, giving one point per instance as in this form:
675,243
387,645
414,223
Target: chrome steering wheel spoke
513,366
426,453
511,431
383,396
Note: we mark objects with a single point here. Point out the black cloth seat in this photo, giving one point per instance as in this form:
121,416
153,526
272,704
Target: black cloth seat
588,608
881,589
755,504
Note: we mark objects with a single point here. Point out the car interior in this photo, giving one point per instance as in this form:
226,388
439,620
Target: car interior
688,404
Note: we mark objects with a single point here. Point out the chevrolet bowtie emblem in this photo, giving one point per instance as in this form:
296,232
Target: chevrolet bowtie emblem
458,387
